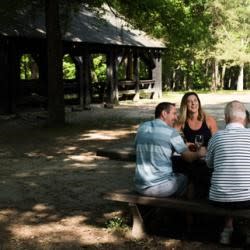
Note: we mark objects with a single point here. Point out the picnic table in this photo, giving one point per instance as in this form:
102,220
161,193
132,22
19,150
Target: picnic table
196,171
137,202
118,151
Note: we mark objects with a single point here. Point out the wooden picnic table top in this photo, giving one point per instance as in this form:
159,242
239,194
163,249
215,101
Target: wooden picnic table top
119,151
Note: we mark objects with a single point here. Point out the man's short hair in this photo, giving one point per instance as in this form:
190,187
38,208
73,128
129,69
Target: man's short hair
235,110
163,106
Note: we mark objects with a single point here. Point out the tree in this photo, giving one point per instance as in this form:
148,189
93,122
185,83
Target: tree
183,25
231,30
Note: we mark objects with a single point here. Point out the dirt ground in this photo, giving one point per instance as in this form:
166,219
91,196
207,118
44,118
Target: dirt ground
51,179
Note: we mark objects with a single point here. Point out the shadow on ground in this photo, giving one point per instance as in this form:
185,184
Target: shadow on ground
51,182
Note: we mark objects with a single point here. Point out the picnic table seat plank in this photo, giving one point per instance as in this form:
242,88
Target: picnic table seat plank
200,206
134,200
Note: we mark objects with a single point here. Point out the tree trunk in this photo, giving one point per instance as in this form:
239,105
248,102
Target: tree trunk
173,87
217,75
54,53
185,86
214,75
223,76
189,78
240,78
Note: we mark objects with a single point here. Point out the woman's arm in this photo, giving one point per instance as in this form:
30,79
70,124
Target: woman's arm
212,124
178,126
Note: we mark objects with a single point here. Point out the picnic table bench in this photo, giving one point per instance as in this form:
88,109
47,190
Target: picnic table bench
135,201
137,89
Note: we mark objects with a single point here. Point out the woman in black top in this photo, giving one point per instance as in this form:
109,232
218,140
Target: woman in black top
193,121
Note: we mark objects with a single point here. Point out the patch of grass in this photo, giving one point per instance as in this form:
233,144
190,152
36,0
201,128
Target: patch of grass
228,92
116,223
222,92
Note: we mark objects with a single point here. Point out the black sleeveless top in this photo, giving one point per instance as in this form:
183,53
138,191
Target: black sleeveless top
203,130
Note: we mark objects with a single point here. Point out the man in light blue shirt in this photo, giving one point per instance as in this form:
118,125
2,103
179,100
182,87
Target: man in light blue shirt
155,142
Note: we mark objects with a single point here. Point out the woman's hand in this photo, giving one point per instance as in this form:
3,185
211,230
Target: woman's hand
191,146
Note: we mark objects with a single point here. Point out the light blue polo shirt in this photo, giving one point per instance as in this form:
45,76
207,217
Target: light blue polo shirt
155,143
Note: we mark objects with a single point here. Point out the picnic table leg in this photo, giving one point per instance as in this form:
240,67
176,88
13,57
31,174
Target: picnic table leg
138,225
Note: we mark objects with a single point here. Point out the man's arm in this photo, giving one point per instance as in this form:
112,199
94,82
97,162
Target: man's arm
190,156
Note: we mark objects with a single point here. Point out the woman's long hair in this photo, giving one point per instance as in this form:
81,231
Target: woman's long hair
183,112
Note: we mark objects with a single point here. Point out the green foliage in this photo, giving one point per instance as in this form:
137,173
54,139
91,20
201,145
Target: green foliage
183,25
69,68
99,68
116,223
198,77
25,72
231,30
194,31
28,68
121,71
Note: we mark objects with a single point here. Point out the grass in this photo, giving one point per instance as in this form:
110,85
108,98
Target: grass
116,223
175,96
218,92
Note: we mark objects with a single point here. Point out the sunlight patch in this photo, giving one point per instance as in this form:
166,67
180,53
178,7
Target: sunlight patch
104,135
71,148
80,158
41,207
80,165
91,136
24,174
67,229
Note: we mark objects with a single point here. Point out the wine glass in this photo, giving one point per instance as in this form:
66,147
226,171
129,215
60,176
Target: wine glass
199,140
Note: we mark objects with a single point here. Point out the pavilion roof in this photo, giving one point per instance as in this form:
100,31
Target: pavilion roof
85,26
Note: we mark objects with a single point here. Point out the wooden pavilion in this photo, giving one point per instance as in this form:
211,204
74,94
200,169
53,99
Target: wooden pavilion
87,34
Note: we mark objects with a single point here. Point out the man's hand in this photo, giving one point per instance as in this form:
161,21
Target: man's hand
202,151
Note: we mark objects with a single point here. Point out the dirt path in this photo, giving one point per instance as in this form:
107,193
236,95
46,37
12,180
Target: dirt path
51,179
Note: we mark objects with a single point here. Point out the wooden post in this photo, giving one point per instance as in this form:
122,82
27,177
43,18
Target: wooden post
110,78
129,66
43,73
136,75
56,111
87,79
14,75
138,230
4,77
115,77
80,73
